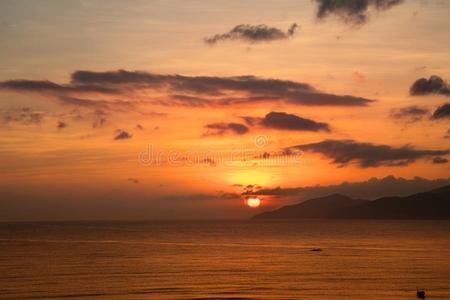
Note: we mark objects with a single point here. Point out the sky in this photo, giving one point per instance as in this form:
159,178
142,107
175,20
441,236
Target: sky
183,109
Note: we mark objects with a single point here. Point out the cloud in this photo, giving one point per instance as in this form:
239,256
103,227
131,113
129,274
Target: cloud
99,122
285,121
61,125
189,89
223,128
24,116
184,100
122,90
122,135
61,120
433,85
442,112
133,180
208,161
253,34
48,86
409,113
440,160
112,104
344,152
202,197
370,189
352,11
118,77
100,119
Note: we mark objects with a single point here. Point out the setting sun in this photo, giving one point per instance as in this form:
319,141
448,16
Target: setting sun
253,202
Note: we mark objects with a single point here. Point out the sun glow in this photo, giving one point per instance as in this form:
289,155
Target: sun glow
255,177
253,202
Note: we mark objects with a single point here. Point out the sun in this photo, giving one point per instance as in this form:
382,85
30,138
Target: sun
253,202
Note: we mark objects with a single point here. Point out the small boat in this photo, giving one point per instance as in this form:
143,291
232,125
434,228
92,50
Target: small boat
420,294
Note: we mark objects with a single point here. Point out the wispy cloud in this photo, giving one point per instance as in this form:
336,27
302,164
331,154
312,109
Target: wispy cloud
252,34
409,113
48,86
24,116
223,128
133,180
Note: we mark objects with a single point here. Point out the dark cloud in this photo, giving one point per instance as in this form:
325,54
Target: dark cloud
285,121
253,34
122,135
223,128
133,180
61,125
118,77
217,88
409,113
433,85
25,116
440,160
370,189
442,112
139,126
344,152
130,88
352,11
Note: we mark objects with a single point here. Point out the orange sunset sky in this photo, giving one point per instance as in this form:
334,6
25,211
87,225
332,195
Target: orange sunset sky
168,109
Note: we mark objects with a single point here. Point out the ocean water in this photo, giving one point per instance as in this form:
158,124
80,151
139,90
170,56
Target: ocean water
225,260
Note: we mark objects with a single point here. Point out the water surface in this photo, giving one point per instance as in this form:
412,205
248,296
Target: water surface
225,260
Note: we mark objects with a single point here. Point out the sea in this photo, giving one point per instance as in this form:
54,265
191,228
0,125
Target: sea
306,259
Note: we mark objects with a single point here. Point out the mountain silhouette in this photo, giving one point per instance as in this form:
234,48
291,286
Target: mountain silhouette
314,208
434,204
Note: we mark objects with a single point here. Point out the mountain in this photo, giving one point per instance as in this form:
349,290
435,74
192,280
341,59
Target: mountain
315,208
434,204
